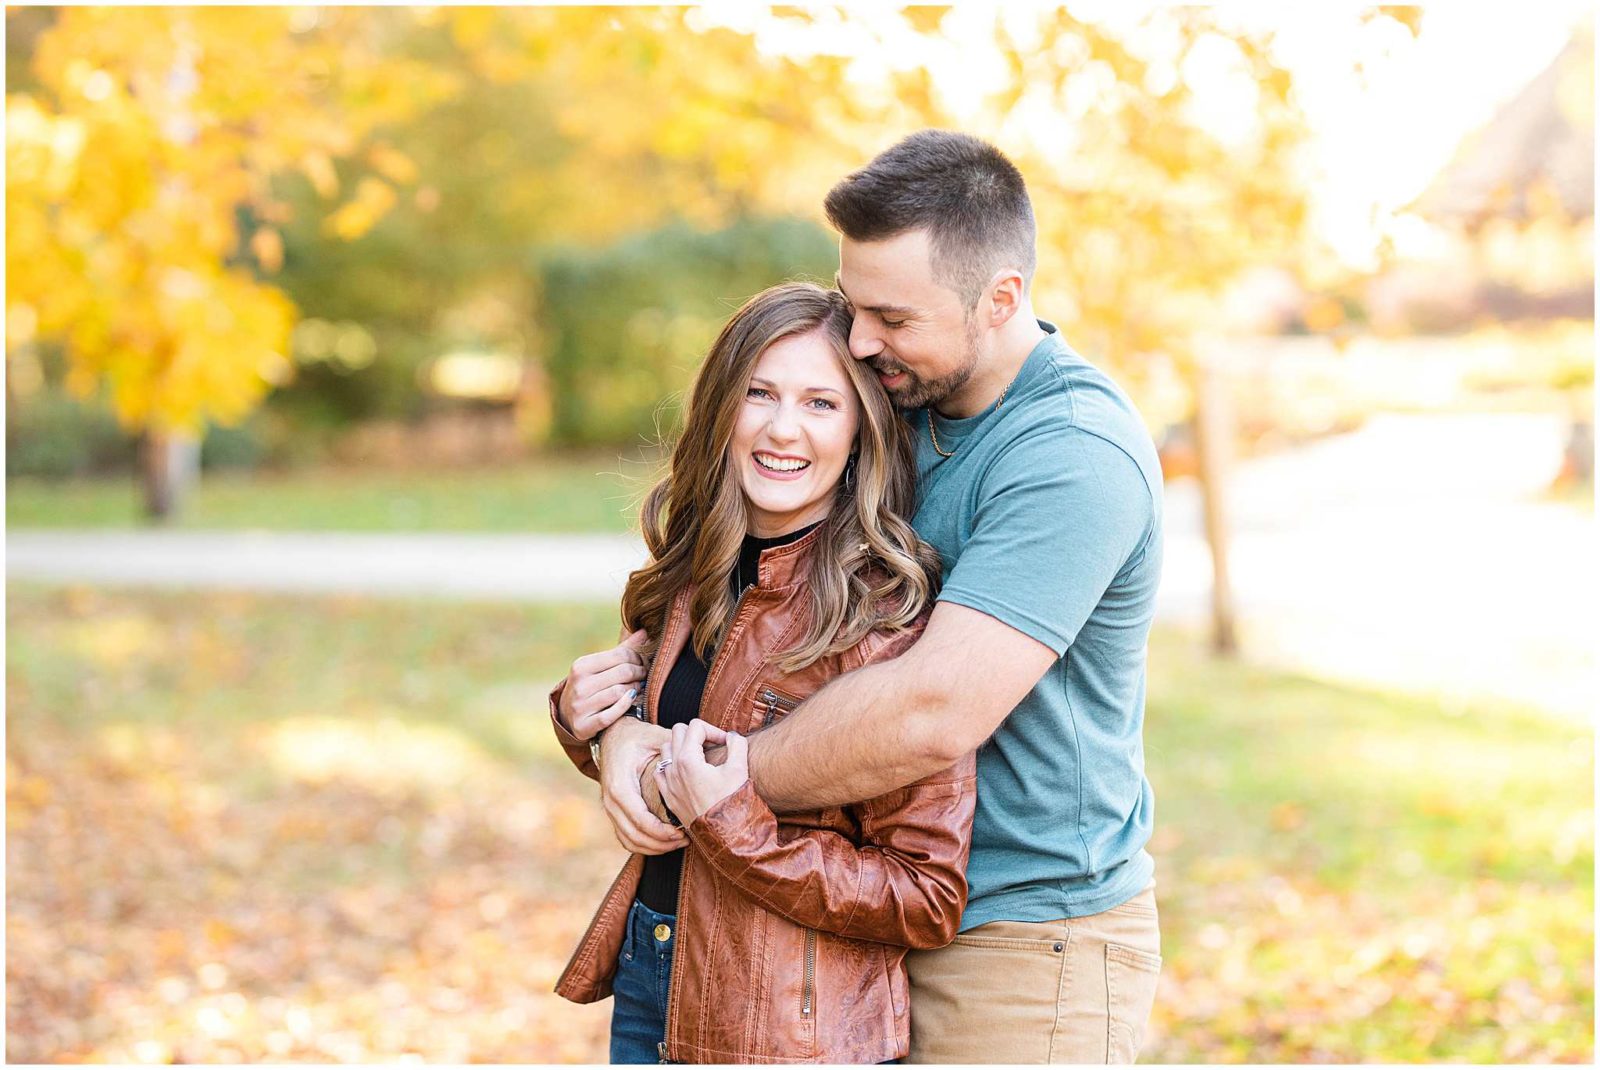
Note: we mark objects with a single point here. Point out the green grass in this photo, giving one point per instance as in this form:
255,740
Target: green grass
364,794
1353,875
597,492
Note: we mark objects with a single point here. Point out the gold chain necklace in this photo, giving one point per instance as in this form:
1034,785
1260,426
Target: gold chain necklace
934,435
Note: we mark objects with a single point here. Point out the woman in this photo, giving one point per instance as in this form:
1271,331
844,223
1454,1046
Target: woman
780,558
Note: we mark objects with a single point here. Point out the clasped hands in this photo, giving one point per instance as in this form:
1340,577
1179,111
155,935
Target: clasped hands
645,770
643,765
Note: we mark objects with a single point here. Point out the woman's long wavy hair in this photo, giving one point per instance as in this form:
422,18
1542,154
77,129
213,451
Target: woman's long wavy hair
869,570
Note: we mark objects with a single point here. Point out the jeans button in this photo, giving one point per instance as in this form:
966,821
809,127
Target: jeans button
663,933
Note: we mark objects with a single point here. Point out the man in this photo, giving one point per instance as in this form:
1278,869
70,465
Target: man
1041,490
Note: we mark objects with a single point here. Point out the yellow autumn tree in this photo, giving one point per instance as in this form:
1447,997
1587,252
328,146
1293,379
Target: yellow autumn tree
153,132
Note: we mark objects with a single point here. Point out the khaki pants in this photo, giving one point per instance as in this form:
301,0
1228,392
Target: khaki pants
1073,991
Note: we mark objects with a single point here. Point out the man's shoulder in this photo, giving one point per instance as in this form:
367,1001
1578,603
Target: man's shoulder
1078,408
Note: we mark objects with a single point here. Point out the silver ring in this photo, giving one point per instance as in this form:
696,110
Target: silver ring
661,766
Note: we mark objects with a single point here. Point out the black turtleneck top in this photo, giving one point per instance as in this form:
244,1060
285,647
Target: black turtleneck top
680,704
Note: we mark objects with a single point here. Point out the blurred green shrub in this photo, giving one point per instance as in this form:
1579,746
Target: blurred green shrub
53,435
244,446
626,326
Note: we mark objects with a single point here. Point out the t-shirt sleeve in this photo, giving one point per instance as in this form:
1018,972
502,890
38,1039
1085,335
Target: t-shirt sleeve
1057,518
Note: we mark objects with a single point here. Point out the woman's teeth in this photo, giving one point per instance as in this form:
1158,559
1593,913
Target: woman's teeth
779,465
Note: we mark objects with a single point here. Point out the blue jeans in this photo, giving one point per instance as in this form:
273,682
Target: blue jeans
639,991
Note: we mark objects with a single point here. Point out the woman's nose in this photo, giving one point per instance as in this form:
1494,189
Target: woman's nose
783,425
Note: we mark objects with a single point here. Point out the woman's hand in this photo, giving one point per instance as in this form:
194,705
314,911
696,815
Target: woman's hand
601,687
692,786
626,751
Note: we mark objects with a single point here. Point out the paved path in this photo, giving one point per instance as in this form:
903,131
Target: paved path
509,567
1415,553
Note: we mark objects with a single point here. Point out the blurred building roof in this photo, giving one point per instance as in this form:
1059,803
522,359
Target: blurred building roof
1541,143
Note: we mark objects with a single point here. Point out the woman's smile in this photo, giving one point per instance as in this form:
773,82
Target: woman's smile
780,466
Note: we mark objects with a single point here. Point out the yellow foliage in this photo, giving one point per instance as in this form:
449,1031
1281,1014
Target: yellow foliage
267,246
1323,314
318,169
186,114
372,200
392,164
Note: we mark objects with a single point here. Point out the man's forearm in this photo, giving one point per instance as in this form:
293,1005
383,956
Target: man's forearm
864,734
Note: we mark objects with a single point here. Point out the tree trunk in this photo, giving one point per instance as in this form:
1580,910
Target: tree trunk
1577,462
169,465
1213,436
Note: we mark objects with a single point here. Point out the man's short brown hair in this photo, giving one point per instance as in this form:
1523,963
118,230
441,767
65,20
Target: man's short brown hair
962,190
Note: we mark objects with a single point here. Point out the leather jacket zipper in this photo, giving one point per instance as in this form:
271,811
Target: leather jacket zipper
776,702
808,991
676,979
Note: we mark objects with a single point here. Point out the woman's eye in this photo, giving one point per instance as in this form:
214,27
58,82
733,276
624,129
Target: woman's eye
756,392
824,403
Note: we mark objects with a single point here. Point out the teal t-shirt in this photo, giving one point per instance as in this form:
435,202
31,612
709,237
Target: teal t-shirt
1048,517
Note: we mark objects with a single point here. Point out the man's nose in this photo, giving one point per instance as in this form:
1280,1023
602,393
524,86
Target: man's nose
864,341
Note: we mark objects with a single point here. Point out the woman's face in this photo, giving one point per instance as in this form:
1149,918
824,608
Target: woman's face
794,433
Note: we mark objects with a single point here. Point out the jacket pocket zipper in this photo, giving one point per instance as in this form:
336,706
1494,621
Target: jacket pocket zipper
808,990
776,702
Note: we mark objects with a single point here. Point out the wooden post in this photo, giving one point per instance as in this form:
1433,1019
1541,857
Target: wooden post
1213,435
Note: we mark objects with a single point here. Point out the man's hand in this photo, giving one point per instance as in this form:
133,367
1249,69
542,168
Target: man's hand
690,785
600,687
624,749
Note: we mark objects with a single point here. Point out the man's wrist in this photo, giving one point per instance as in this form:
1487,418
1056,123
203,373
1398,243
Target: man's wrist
597,742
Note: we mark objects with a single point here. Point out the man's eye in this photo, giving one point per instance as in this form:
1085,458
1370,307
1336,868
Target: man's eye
892,324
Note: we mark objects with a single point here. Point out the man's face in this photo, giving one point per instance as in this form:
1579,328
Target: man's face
912,330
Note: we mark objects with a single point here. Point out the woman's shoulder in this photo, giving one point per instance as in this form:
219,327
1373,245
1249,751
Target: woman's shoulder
884,643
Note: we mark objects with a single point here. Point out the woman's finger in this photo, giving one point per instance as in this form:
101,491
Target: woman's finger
641,832
605,717
641,841
692,758
694,737
625,673
590,723
670,783
666,782
711,733
679,732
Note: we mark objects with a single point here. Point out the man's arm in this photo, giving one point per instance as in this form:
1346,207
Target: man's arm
1059,517
895,722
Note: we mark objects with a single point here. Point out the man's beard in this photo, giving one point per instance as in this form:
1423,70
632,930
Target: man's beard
917,393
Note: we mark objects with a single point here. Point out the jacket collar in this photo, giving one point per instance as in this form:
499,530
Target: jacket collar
781,568
786,565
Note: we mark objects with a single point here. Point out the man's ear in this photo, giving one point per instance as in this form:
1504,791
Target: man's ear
1006,292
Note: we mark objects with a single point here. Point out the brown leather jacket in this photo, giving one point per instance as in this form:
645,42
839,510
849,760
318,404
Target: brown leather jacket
792,931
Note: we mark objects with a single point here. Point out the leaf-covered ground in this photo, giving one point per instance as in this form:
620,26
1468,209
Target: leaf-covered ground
247,828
